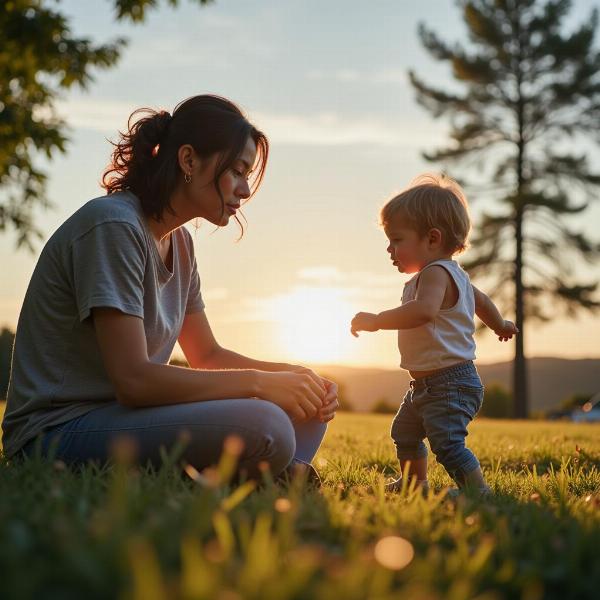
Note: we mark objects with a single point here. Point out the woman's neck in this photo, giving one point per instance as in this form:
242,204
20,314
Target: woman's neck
162,229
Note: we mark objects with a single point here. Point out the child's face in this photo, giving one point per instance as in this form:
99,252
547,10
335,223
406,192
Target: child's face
408,250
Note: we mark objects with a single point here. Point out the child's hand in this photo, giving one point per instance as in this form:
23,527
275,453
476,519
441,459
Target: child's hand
363,321
506,332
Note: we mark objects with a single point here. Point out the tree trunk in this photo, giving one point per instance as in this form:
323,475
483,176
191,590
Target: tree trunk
520,392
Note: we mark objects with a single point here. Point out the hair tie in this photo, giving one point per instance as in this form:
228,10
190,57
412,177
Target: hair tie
163,119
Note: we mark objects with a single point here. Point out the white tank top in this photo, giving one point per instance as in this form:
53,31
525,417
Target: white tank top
446,340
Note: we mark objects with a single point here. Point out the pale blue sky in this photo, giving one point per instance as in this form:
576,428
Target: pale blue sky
327,82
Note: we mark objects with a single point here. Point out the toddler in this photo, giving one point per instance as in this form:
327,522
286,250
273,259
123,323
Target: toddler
426,226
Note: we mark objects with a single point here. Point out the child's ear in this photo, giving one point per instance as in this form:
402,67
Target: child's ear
435,237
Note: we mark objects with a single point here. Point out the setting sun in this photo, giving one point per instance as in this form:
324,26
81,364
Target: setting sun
314,324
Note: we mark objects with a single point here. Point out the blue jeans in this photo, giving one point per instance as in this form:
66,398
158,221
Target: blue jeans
439,408
267,433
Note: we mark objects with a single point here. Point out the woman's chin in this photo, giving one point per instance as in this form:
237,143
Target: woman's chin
218,220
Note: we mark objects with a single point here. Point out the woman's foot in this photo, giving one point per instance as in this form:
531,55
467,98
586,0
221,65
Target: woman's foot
298,470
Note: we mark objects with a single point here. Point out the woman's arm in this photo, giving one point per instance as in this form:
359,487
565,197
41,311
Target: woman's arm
139,382
202,351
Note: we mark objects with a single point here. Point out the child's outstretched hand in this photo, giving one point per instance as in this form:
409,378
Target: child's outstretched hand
363,321
506,332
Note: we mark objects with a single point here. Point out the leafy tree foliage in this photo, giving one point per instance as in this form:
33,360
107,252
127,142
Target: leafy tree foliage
40,57
526,104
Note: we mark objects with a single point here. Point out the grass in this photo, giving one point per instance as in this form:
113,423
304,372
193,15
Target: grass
127,533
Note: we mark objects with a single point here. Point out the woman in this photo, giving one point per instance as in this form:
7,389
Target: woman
116,286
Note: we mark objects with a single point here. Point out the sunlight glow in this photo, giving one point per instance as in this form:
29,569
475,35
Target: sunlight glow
314,323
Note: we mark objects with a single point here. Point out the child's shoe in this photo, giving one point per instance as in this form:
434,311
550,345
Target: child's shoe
395,486
482,493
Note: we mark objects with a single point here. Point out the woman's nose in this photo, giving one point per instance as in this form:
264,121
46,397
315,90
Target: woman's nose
244,190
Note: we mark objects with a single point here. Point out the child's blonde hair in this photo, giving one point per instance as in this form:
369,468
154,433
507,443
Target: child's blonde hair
432,201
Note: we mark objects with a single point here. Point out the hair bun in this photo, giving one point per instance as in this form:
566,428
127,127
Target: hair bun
162,119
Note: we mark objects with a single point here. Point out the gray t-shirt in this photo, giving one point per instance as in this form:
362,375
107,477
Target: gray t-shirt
102,256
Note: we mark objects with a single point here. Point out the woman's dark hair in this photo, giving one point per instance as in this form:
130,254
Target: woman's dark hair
145,159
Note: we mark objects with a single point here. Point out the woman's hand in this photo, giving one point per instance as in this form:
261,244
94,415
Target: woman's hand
330,404
299,394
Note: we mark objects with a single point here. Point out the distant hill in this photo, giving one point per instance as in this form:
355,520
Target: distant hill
551,380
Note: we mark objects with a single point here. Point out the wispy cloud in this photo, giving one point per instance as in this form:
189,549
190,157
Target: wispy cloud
320,129
330,129
386,75
104,116
351,291
218,293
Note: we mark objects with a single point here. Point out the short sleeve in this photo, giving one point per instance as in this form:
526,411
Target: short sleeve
194,300
108,269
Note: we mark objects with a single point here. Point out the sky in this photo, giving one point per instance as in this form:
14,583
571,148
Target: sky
327,82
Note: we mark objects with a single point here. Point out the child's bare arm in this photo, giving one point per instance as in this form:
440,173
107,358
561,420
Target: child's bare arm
417,312
486,310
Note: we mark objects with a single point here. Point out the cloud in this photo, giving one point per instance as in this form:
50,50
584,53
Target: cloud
352,290
321,274
330,275
103,116
319,129
330,129
215,294
387,75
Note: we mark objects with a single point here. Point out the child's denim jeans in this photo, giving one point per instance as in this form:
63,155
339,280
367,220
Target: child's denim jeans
439,408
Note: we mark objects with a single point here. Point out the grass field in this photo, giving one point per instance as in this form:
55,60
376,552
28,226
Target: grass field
122,533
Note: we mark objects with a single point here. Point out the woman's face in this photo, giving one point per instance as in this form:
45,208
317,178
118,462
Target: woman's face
233,183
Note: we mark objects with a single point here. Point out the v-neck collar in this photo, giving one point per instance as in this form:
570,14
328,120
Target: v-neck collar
164,274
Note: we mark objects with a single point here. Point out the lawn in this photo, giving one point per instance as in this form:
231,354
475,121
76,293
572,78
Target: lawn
122,532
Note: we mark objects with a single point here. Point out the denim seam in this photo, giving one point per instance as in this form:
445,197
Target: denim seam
107,430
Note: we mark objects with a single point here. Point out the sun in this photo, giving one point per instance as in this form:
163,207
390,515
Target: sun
313,324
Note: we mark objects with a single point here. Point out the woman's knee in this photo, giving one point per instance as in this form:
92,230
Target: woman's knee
274,439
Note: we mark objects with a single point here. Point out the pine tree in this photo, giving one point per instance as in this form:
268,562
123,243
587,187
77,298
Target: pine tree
40,57
528,105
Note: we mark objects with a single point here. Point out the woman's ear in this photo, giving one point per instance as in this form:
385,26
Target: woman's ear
434,237
186,157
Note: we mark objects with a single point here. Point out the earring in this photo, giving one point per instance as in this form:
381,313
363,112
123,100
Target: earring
187,177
